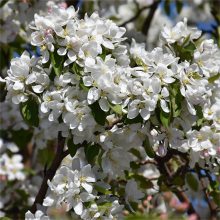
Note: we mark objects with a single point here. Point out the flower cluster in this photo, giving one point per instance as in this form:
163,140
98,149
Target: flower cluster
11,166
74,186
16,15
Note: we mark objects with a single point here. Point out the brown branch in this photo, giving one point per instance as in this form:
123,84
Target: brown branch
136,15
49,174
162,167
149,18
212,206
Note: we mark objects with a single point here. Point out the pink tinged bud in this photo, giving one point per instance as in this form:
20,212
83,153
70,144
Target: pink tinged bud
218,150
48,31
205,153
149,198
49,10
162,150
174,202
3,178
63,5
193,217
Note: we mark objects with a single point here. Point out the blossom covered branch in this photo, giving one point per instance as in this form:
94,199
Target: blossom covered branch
130,123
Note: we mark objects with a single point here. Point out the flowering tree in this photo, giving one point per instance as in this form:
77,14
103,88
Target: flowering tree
94,125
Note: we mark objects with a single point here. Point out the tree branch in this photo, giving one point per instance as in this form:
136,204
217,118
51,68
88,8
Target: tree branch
49,174
161,161
212,206
135,16
149,18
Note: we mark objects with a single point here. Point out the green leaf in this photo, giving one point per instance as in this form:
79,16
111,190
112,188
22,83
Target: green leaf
21,137
5,218
213,78
199,112
179,6
3,60
98,114
3,91
91,152
72,148
102,189
3,2
184,52
178,181
83,87
186,41
216,197
148,149
104,53
116,108
167,7
136,153
176,100
57,62
192,181
29,112
76,69
134,165
142,217
164,118
143,182
46,156
218,31
138,119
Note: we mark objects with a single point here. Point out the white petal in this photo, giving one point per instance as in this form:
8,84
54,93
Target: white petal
191,108
168,80
93,95
58,30
132,113
67,62
38,88
88,187
29,216
164,106
87,80
31,78
46,56
183,91
165,92
48,201
62,51
71,55
85,197
18,86
76,164
87,172
78,208
108,44
44,107
103,103
38,214
145,114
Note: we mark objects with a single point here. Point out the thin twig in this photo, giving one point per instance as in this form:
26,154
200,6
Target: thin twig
49,174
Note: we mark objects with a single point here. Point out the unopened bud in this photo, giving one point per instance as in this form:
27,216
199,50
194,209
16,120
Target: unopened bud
162,150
